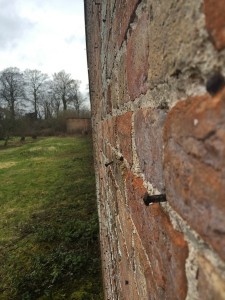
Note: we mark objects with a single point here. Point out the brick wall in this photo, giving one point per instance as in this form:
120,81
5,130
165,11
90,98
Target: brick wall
78,125
157,130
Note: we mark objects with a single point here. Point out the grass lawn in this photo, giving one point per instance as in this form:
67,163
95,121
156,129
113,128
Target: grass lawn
49,247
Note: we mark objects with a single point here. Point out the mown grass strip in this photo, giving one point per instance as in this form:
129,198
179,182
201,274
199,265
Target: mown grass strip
49,246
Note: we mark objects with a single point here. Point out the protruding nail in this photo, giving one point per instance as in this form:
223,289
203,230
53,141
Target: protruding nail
109,163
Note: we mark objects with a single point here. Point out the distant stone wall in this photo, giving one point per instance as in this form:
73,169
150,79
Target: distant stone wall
75,125
156,130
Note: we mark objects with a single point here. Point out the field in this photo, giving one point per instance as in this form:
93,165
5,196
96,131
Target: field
49,246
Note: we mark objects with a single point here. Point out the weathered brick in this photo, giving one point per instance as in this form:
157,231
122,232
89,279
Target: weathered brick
114,30
109,131
122,80
124,221
106,24
114,90
211,285
157,48
124,127
165,247
194,163
137,58
135,274
148,127
112,194
120,170
118,82
123,14
173,39
142,269
109,100
215,21
126,274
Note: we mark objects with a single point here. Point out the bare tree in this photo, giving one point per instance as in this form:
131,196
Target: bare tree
64,87
48,110
11,88
55,103
35,83
76,98
50,101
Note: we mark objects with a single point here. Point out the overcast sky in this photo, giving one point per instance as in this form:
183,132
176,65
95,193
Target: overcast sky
47,35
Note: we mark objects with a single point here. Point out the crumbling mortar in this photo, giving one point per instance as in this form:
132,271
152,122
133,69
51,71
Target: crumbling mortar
165,95
162,92
202,68
214,59
123,237
136,165
140,282
117,155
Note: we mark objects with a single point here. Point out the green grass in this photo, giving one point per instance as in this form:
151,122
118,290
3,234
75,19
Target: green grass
49,247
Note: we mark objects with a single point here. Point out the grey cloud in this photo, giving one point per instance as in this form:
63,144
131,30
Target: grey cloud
12,26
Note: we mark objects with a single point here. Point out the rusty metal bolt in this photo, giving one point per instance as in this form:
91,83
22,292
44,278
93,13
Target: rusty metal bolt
153,199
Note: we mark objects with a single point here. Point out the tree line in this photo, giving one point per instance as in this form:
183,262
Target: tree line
35,92
33,99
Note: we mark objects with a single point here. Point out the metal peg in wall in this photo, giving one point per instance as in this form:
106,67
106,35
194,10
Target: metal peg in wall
109,163
153,199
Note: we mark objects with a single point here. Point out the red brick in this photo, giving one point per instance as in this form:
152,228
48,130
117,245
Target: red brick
148,126
124,127
114,90
109,131
108,155
137,58
109,100
215,21
119,91
210,283
165,247
105,26
124,11
98,141
122,80
194,162
112,194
